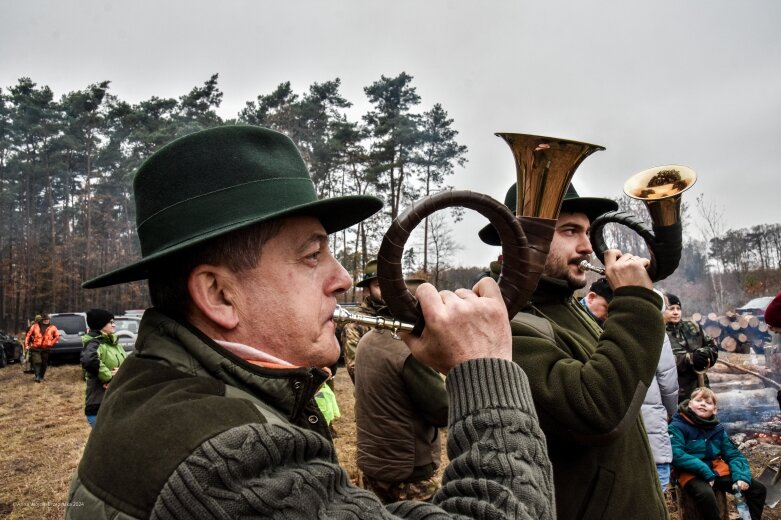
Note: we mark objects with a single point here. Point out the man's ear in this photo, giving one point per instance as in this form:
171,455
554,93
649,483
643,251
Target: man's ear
212,289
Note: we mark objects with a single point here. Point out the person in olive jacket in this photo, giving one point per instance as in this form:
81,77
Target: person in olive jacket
589,383
100,358
694,350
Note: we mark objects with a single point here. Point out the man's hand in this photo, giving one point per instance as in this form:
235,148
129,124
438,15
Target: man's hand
461,325
624,269
741,485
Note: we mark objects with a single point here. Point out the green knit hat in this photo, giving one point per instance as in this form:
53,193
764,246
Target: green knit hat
215,181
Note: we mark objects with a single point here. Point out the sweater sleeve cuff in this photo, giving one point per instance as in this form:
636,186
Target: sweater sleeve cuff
487,383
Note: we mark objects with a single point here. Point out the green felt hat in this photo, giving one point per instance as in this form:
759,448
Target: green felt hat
215,181
572,203
369,274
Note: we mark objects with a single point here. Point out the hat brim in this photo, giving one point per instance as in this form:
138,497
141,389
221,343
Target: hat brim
366,281
593,207
334,214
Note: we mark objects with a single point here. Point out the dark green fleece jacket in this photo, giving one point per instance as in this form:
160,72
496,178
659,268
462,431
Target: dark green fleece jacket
588,385
191,431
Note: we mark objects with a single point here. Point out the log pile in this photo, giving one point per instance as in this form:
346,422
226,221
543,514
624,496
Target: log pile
747,394
735,332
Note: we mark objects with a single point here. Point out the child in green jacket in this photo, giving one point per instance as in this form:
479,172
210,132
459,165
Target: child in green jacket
705,459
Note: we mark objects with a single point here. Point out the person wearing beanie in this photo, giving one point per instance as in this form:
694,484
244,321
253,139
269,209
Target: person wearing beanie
101,357
694,350
597,299
213,415
39,341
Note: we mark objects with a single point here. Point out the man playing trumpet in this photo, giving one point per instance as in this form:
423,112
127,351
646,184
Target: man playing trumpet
588,384
213,416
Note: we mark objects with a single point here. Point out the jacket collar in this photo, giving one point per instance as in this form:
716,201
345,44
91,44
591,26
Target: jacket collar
551,290
187,349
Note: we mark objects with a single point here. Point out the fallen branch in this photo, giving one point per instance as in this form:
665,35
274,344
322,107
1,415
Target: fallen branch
764,378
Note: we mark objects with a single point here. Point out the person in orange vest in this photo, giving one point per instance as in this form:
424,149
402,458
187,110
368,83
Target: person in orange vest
39,340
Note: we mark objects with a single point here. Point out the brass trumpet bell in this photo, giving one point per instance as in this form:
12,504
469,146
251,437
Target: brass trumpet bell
660,189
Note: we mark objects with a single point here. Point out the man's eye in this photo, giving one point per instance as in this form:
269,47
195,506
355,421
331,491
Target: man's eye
314,256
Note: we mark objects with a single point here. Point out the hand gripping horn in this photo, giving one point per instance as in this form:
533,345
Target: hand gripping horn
544,167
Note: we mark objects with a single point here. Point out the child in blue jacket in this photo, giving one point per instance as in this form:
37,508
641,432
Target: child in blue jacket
704,457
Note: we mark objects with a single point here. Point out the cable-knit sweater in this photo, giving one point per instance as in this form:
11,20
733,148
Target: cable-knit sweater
191,431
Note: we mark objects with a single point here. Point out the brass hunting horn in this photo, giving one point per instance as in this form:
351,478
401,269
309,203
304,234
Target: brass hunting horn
544,167
660,189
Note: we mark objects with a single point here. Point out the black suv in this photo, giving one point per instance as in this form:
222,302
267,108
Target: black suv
10,349
72,326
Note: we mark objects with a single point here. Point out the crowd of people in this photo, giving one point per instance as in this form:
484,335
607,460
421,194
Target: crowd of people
573,408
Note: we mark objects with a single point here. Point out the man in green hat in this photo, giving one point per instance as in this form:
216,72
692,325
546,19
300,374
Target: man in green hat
400,404
213,415
589,382
371,305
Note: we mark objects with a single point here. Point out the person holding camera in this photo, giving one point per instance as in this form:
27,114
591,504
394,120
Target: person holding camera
694,350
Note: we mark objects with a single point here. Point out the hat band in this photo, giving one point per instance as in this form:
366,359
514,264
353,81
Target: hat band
211,212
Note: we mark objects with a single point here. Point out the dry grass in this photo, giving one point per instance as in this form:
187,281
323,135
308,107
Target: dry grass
44,432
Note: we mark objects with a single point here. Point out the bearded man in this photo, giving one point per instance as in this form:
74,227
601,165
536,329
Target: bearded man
588,383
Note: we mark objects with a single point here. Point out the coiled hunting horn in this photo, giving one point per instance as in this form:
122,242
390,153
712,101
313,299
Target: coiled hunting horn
544,168
660,189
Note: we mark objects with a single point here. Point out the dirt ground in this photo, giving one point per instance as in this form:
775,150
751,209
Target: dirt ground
44,432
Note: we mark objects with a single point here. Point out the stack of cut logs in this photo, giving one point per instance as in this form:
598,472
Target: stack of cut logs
735,332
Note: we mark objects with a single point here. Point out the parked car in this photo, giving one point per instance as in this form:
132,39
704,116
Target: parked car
10,349
72,326
127,331
755,307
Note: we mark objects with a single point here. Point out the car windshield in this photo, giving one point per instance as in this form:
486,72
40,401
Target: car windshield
129,325
758,303
71,324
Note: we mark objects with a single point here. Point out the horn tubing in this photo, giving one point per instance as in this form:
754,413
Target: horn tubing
343,316
513,281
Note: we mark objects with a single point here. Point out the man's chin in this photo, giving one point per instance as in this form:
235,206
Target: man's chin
576,281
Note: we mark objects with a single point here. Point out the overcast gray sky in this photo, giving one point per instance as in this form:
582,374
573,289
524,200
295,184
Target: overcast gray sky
694,82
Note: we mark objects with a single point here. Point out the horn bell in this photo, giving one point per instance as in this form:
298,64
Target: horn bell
660,189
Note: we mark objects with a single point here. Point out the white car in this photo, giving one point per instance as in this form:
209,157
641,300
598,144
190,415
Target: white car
127,331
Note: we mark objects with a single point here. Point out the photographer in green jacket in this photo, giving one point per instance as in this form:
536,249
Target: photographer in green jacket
589,382
100,358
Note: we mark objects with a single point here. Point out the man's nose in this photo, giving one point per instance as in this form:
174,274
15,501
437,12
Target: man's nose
584,245
341,278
